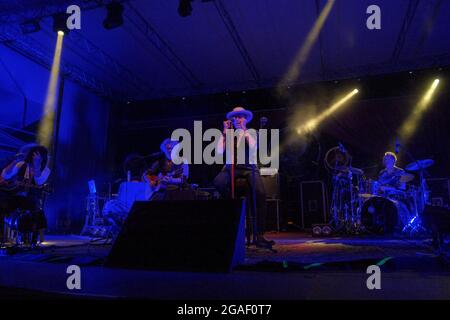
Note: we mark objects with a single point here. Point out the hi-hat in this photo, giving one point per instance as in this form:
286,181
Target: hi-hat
419,165
353,170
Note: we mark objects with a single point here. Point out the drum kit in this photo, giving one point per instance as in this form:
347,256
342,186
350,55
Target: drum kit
363,205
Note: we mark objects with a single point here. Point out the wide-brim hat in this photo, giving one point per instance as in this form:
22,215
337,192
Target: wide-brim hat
167,141
25,150
240,111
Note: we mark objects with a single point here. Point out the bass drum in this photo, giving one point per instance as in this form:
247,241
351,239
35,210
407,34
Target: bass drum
380,215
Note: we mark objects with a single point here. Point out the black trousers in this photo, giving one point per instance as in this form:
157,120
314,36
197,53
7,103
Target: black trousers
222,182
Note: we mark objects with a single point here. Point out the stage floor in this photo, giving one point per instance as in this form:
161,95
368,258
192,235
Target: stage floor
302,268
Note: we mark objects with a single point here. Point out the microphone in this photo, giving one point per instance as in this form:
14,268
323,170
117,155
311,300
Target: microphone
397,146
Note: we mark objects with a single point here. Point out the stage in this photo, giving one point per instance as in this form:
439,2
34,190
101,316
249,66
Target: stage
302,268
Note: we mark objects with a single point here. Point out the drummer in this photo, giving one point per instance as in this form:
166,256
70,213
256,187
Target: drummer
390,177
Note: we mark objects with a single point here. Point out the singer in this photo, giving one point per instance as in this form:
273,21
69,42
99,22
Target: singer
238,118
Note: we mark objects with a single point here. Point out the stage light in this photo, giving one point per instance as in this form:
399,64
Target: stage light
60,23
302,55
311,124
430,91
322,230
114,16
185,8
412,121
45,131
317,231
327,230
30,26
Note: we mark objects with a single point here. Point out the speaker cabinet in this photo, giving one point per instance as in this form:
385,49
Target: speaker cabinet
313,203
181,236
437,218
271,186
274,219
439,191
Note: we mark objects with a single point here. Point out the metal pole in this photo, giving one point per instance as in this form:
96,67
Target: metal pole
57,122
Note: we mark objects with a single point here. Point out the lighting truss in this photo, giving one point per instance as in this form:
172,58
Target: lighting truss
11,37
19,11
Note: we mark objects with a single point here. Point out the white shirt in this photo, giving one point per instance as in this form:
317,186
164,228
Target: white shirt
39,180
242,135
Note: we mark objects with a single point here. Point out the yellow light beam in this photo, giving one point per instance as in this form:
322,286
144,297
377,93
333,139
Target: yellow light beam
313,123
46,125
410,125
303,54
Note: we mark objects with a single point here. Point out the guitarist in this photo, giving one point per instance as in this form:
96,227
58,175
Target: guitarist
164,175
23,177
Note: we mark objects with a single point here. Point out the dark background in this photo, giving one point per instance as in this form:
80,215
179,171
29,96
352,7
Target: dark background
367,126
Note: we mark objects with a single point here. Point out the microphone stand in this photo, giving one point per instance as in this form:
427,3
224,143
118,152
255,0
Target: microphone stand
232,175
233,195
255,215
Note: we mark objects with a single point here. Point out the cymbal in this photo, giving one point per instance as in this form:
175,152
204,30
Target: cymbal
367,195
407,177
419,165
335,158
352,169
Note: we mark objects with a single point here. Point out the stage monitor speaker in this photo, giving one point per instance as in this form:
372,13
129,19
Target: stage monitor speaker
181,236
313,203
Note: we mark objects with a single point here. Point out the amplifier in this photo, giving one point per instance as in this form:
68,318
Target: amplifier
274,220
271,186
312,203
439,191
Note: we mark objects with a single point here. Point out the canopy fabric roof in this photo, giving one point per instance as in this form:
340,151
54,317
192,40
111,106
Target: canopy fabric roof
235,45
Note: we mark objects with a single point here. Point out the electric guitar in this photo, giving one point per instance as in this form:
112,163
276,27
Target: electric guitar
17,186
157,182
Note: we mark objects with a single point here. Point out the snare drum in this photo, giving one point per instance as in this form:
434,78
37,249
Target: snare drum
371,188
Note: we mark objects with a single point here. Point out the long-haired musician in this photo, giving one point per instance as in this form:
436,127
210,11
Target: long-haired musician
21,185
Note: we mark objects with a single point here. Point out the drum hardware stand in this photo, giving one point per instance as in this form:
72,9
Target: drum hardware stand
350,220
335,221
94,223
355,216
415,224
336,190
